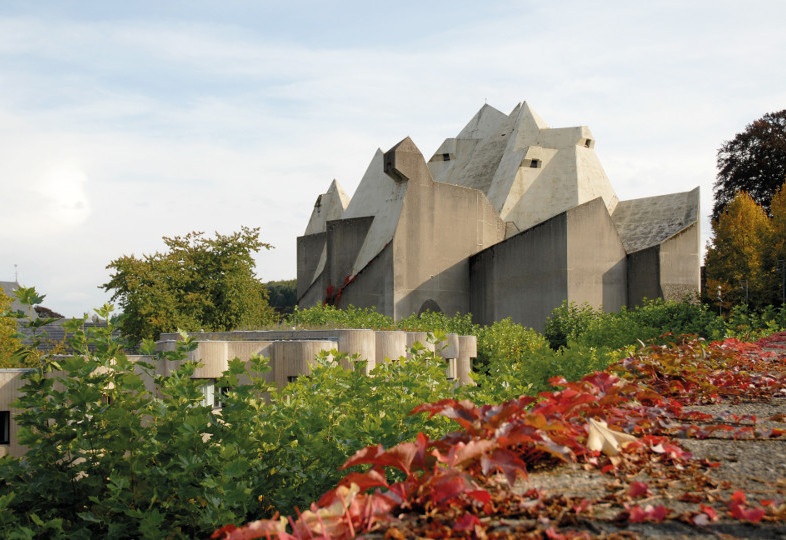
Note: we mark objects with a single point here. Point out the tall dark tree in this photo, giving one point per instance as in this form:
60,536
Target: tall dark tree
754,161
283,296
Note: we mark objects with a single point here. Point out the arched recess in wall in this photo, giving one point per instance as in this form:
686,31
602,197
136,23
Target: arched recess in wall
429,305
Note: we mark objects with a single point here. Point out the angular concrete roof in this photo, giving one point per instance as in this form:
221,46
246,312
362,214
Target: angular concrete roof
380,196
330,205
649,221
528,171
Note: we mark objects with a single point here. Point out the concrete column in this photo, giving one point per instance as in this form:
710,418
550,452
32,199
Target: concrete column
213,357
414,337
362,342
468,349
294,358
449,348
390,345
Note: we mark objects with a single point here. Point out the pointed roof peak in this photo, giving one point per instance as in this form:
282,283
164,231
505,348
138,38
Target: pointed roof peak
527,116
328,206
485,122
405,145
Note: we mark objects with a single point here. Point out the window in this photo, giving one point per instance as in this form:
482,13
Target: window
534,164
5,427
291,378
450,372
208,392
218,395
445,157
588,143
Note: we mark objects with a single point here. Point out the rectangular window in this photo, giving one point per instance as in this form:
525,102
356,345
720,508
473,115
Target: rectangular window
5,427
218,396
208,393
534,164
445,157
291,378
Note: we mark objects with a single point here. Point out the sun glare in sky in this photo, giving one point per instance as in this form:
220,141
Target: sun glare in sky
65,195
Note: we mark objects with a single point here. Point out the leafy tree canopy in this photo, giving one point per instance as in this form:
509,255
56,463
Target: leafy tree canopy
283,295
737,257
199,284
8,340
753,161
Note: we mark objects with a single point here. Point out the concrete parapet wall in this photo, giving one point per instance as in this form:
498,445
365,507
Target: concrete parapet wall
468,349
418,337
11,383
390,345
291,359
215,349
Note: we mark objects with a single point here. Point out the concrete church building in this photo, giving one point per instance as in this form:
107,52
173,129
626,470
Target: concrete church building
508,219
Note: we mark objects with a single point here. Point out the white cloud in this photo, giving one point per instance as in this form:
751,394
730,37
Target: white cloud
163,126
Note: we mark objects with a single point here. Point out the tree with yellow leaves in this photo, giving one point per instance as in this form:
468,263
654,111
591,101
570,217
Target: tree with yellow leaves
738,258
8,343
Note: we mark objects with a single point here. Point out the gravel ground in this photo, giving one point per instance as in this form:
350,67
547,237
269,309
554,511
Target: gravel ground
755,467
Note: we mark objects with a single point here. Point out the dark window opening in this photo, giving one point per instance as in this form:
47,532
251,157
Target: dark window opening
291,378
534,164
587,143
445,157
218,395
5,427
429,305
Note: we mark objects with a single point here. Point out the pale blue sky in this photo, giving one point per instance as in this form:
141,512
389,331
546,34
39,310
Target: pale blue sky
122,122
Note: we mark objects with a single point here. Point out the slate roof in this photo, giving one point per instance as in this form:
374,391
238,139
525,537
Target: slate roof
8,288
649,221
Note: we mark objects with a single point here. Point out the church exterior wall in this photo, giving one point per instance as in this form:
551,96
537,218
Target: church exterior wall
597,267
644,276
524,278
309,251
373,286
680,258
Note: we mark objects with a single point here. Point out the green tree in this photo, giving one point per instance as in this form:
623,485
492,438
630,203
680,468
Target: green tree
283,296
8,340
753,161
737,255
199,284
776,246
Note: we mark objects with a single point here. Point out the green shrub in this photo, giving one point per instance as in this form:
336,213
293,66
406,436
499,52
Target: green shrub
108,457
322,316
439,322
503,342
586,326
316,423
569,321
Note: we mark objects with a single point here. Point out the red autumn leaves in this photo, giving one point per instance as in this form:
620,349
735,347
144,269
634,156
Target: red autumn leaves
457,480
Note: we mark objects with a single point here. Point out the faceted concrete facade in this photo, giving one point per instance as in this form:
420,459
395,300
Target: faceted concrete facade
508,219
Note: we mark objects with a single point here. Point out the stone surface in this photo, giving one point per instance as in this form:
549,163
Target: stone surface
508,219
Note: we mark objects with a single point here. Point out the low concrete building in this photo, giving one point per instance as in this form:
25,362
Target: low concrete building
508,219
291,354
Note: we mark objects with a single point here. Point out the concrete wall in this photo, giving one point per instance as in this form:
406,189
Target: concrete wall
373,286
597,269
439,228
680,259
310,249
524,278
344,240
644,276
10,384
